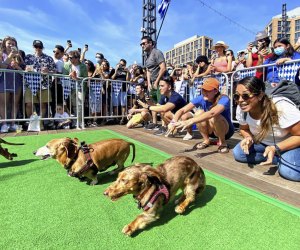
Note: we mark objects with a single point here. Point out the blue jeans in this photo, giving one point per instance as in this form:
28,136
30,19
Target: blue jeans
288,163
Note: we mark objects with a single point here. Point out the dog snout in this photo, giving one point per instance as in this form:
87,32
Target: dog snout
34,152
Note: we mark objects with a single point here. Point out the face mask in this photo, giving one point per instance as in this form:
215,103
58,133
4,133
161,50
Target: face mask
246,56
279,51
98,60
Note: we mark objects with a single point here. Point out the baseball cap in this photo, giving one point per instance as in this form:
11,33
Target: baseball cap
210,84
38,43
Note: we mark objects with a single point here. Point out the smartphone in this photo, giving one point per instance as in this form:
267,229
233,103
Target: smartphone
14,48
79,50
86,45
69,42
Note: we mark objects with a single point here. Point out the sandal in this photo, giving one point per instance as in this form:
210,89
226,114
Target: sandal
201,145
223,149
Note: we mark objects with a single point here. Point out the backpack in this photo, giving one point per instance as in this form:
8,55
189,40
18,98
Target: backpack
287,89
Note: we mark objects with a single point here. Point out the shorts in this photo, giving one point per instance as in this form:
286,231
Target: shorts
119,99
44,95
155,95
137,119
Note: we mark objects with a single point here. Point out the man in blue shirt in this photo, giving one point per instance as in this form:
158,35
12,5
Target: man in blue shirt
170,102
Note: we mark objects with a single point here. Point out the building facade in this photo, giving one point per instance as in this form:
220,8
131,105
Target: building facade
188,50
274,28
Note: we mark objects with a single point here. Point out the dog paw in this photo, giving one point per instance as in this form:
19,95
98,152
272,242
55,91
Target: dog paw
179,209
127,230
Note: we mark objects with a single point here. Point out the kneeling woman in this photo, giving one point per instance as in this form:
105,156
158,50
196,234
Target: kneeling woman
270,127
213,119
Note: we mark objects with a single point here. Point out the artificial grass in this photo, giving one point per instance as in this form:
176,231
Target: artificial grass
42,208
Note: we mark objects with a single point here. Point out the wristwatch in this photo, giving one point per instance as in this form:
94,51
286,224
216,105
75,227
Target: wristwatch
277,149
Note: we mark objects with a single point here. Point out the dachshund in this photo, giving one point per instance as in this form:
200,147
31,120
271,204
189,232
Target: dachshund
154,187
82,160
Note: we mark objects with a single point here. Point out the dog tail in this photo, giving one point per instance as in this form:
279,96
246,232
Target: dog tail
10,143
133,151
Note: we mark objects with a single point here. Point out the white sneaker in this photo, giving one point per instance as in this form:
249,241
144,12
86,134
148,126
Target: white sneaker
4,128
187,137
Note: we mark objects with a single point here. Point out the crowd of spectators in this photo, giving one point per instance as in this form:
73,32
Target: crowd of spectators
135,95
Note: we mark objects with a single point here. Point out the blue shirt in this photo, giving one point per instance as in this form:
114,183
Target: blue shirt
205,105
174,98
272,72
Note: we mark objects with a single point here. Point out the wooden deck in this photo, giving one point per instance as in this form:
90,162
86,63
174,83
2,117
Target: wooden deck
210,159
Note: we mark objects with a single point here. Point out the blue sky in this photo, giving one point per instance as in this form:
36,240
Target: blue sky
113,26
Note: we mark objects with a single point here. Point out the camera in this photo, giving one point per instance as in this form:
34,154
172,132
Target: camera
86,45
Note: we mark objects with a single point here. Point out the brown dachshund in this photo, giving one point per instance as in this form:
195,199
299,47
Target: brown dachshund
87,160
4,151
154,187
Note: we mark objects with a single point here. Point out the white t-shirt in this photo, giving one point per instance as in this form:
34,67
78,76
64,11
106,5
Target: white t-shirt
59,65
64,115
288,114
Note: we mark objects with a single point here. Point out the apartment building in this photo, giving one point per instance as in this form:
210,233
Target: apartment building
274,28
188,50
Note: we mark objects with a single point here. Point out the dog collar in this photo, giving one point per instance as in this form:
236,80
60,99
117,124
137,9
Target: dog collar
160,190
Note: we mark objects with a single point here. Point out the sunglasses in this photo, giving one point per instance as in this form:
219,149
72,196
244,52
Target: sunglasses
38,47
228,54
245,96
143,43
55,52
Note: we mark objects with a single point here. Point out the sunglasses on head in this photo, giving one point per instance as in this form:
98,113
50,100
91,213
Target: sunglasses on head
244,96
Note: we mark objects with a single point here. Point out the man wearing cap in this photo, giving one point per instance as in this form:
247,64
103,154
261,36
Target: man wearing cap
213,119
258,50
38,62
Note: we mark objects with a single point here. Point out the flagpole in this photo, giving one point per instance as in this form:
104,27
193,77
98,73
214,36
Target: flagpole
162,22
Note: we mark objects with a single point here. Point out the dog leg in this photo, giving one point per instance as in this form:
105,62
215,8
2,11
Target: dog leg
139,223
117,170
189,194
180,199
90,175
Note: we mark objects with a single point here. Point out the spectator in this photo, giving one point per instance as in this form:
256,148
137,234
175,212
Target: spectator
180,77
169,103
138,114
270,127
136,78
156,67
56,88
213,119
241,61
99,59
258,51
66,58
43,63
119,94
76,70
283,52
82,56
62,118
10,83
229,53
220,63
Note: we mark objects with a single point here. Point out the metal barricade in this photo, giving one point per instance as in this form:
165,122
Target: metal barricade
24,93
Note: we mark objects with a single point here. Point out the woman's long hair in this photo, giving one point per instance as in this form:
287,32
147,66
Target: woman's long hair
269,115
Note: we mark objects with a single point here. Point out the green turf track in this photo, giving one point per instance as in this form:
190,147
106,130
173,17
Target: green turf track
42,208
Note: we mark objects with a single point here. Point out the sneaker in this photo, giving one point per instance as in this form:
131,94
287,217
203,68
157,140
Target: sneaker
4,128
161,131
187,137
12,128
152,126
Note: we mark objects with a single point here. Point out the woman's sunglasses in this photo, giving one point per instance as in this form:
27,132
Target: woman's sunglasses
245,96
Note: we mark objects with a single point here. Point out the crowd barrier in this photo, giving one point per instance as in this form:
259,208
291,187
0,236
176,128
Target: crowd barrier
23,93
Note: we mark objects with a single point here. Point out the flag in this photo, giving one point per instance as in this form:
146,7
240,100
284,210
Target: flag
162,8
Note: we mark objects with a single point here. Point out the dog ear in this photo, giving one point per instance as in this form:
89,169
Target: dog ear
152,175
76,140
71,150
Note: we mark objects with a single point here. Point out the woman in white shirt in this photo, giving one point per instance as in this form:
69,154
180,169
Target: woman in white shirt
270,127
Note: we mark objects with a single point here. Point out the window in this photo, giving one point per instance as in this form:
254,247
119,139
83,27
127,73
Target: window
297,25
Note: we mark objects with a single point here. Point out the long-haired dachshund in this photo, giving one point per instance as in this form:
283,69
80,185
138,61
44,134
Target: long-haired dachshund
4,151
154,187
